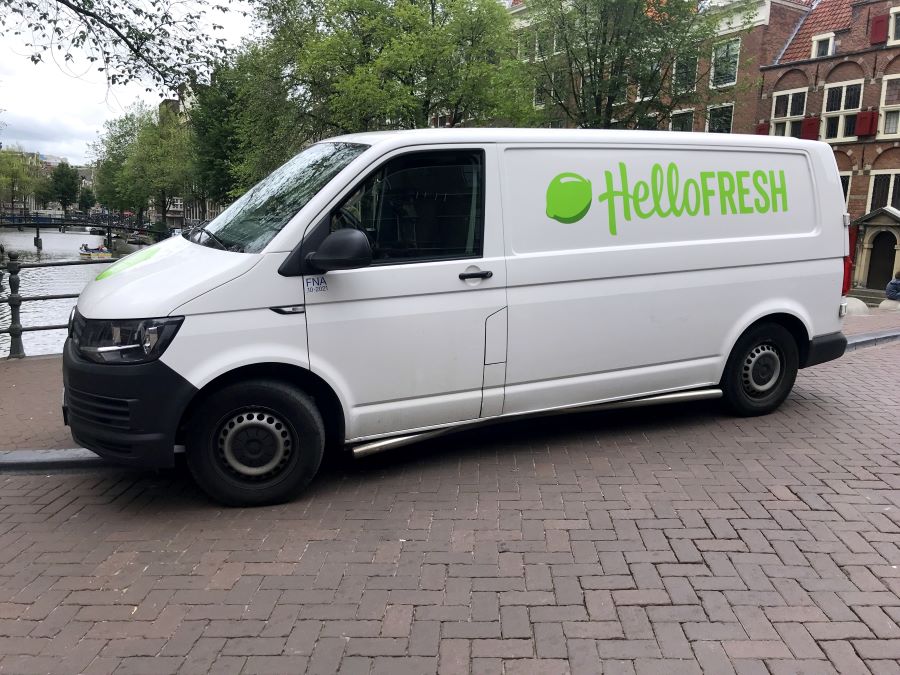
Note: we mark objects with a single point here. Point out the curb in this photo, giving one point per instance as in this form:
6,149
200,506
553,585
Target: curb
80,458
873,339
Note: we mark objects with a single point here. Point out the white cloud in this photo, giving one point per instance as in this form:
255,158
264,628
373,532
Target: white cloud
59,109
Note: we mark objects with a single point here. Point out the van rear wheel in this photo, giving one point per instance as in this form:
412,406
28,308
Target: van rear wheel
761,370
255,443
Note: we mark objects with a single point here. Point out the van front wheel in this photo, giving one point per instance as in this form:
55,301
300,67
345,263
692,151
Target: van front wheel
761,370
255,443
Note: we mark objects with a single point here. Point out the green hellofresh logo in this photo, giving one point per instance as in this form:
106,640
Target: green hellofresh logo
126,263
569,195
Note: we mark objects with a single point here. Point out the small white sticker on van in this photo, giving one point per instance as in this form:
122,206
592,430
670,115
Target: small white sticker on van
316,285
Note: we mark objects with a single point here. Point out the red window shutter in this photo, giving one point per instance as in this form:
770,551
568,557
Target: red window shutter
809,128
762,129
866,123
878,31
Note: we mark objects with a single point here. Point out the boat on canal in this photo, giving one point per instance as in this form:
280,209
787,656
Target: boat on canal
99,253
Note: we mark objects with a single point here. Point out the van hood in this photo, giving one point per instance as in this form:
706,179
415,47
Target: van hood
152,282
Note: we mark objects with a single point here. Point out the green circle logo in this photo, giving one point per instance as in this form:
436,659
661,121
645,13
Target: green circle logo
569,197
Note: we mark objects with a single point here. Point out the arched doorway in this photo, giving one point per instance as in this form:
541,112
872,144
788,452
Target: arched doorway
881,263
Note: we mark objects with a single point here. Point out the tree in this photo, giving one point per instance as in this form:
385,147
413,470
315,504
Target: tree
164,40
86,199
621,63
18,176
116,144
158,163
214,118
43,191
375,64
64,184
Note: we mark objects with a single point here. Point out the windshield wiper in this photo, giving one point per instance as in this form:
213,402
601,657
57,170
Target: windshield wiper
202,228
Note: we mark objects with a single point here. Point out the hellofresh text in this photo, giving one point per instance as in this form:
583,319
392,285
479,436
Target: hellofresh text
664,195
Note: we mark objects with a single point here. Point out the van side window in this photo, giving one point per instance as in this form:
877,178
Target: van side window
420,206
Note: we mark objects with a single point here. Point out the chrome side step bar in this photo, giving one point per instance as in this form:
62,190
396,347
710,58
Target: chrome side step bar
373,447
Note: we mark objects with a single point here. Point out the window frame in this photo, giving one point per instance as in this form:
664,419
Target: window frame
788,119
693,87
884,109
684,111
710,108
849,175
893,38
841,112
737,64
816,39
871,192
325,219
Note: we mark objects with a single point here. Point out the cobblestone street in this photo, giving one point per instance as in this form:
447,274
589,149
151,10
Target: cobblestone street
660,540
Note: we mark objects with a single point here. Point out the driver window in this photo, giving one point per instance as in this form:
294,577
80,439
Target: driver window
420,206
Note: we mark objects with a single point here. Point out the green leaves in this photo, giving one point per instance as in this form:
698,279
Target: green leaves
160,40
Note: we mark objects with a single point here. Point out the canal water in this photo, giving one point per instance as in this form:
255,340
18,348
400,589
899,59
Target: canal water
46,281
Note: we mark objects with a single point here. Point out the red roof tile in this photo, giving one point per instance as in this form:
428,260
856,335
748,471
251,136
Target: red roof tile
825,16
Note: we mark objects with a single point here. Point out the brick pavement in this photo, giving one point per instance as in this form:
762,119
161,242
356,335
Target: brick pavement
667,540
30,392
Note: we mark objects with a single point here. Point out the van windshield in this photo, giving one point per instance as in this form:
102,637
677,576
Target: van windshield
253,220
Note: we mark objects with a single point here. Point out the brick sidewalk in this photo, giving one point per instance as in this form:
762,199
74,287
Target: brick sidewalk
31,391
663,541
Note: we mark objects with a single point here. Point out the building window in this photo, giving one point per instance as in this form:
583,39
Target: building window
718,119
894,27
884,190
684,77
682,121
842,102
788,108
725,63
845,185
890,105
822,45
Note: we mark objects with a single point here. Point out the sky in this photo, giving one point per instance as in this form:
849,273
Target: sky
59,109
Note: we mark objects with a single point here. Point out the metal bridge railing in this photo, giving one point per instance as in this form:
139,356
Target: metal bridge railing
14,300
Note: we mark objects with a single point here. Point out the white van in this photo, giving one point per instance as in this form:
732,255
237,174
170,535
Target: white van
379,288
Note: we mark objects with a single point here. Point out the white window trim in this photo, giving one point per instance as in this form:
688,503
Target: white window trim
696,68
872,174
842,113
722,105
787,118
816,39
682,112
884,109
893,39
737,65
849,175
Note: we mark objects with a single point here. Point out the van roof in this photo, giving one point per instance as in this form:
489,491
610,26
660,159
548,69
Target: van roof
501,135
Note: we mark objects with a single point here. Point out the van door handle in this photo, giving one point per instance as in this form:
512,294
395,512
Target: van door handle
486,274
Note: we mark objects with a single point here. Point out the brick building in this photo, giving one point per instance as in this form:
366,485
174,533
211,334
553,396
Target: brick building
837,79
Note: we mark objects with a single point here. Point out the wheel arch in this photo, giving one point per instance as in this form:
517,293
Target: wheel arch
326,399
793,319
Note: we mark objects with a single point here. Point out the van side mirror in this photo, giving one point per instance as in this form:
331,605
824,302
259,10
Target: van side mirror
345,249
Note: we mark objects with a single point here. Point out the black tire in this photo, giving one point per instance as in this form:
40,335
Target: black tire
255,443
761,370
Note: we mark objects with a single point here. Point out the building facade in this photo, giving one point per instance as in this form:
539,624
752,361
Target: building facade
837,80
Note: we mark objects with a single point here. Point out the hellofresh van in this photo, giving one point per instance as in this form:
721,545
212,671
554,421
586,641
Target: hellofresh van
381,288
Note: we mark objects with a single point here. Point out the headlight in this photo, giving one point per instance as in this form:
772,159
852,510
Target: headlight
125,340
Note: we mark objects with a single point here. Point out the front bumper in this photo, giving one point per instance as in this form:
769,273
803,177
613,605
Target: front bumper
825,348
126,413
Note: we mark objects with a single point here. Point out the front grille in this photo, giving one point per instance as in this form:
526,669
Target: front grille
102,411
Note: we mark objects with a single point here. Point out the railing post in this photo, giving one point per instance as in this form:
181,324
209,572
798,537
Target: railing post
16,348
2,251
